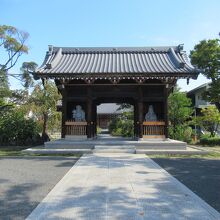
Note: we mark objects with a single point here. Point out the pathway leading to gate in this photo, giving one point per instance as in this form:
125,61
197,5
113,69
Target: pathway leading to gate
121,186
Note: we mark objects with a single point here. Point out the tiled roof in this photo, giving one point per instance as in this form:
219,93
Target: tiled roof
128,61
201,87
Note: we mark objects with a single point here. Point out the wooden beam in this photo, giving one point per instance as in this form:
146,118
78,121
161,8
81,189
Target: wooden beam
125,84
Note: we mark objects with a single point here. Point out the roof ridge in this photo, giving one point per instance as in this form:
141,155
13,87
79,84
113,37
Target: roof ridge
115,49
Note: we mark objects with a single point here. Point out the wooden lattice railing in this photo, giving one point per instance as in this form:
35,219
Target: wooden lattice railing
76,128
153,129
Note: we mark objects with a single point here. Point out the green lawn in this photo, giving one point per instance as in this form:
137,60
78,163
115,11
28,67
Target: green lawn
212,148
11,151
17,151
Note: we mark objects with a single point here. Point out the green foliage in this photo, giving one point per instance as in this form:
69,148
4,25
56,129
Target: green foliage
206,55
12,43
209,120
125,106
122,125
98,130
4,87
26,69
15,129
205,140
180,111
12,46
42,102
54,121
212,94
181,133
127,128
115,126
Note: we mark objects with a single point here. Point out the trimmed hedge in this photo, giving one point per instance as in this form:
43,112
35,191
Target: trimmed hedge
210,140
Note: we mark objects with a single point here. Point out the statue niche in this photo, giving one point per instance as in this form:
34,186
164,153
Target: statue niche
150,115
78,114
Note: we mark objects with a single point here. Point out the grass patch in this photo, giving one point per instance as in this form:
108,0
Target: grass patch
214,148
213,153
210,155
57,155
12,151
17,151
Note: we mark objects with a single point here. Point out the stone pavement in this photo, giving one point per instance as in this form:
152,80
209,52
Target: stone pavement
121,186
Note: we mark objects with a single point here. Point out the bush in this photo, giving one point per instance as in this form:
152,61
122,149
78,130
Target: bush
205,140
128,128
181,133
98,130
122,126
15,129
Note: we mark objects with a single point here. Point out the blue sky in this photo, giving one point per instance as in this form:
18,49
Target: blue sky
112,23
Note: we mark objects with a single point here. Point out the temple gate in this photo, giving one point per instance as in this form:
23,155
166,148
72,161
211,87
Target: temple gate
142,77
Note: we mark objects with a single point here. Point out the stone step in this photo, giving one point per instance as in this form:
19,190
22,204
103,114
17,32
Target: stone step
114,149
162,147
131,151
67,146
56,151
90,144
187,151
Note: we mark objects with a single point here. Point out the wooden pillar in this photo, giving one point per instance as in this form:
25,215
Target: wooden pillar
135,120
140,112
166,118
64,112
94,112
89,113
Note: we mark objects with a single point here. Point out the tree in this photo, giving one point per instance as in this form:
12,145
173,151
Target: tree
206,55
124,106
43,102
26,69
12,46
179,111
209,120
12,42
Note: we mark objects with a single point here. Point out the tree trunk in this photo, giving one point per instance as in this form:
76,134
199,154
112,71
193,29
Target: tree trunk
212,134
217,104
45,136
45,119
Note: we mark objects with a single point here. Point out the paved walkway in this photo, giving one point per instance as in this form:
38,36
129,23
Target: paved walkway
125,187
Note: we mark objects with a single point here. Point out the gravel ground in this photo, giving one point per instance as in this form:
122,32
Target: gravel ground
25,181
201,175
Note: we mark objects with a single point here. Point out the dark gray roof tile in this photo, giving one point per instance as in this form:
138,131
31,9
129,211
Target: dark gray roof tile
124,60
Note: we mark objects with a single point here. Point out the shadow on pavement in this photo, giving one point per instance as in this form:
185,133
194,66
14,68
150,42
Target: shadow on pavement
201,175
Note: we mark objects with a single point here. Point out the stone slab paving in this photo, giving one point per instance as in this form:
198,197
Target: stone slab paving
121,186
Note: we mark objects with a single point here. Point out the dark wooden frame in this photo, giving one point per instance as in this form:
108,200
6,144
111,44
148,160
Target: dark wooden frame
137,94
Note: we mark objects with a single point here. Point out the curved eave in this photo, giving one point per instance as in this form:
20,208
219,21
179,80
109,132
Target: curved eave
192,75
116,62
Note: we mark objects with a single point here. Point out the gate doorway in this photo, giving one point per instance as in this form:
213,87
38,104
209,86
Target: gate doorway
115,119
